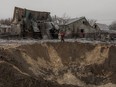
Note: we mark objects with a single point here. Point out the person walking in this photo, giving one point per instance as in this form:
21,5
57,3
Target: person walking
62,34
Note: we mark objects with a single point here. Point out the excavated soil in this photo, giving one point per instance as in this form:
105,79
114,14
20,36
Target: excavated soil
49,64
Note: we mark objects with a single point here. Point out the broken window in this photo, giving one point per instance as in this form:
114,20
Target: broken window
95,26
83,22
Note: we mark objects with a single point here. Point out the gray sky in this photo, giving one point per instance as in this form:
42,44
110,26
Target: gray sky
102,10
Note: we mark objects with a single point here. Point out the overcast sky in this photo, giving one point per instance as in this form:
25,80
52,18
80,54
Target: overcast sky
102,10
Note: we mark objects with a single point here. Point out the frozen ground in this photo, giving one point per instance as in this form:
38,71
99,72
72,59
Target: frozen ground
31,41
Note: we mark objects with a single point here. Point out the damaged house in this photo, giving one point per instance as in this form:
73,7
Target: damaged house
35,24
78,28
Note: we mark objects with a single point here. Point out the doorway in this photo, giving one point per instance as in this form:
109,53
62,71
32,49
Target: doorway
82,33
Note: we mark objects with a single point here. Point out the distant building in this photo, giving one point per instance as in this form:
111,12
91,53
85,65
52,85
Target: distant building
101,27
5,29
78,28
103,31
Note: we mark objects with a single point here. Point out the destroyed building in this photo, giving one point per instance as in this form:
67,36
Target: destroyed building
78,28
35,24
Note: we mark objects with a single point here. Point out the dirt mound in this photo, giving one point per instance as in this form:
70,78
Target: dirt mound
57,65
11,76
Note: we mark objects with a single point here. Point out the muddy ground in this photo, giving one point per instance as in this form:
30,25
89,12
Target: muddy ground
49,64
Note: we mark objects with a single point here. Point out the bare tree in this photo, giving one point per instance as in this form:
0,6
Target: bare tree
65,18
5,21
61,20
92,21
113,26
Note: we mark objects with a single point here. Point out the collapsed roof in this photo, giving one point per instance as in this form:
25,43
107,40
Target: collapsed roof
19,13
